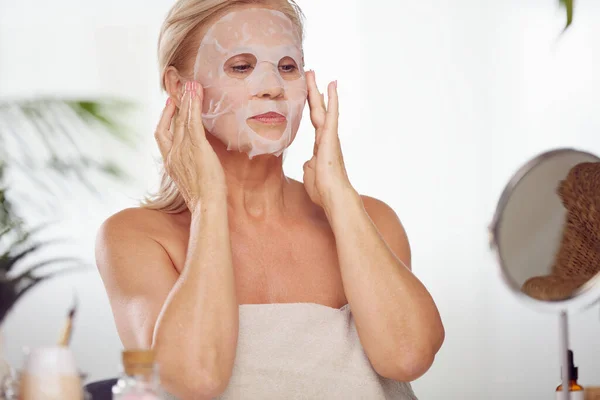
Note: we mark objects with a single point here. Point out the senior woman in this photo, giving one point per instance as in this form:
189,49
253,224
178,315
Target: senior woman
246,283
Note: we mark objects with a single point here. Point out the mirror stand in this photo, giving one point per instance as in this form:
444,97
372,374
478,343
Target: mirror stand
564,353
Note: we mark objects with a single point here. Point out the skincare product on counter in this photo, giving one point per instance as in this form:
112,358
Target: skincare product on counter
50,373
576,391
139,378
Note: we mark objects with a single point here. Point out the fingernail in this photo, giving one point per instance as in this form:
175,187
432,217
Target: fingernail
168,101
335,84
188,86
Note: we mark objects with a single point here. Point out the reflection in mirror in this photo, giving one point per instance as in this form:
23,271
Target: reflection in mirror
547,226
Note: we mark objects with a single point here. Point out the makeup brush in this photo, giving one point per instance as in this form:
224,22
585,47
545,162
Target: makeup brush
65,338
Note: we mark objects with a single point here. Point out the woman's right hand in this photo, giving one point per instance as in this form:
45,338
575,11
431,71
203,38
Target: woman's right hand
188,156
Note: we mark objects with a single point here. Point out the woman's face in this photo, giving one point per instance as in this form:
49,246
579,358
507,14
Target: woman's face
250,66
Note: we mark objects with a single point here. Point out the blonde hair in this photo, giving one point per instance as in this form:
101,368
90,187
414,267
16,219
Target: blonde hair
177,46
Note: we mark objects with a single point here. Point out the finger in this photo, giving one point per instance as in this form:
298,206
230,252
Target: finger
182,116
195,126
331,120
313,90
315,101
163,135
308,172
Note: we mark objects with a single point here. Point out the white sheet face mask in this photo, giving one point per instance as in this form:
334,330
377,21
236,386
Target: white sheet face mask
250,66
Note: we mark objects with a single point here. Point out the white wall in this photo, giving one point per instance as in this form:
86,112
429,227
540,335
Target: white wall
441,102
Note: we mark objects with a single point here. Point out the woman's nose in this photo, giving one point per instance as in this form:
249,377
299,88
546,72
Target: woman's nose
270,91
270,85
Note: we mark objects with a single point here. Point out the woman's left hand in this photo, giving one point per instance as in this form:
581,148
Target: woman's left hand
325,173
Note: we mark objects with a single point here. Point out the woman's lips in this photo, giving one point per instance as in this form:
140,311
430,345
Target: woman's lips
269,118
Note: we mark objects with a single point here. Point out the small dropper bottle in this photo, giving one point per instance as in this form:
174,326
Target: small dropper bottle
576,391
139,379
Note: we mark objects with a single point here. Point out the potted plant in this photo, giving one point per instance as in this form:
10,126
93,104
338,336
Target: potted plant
56,127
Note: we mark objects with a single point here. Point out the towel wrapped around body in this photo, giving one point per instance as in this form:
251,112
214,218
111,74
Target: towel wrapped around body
304,351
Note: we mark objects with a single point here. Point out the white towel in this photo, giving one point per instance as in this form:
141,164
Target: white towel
304,351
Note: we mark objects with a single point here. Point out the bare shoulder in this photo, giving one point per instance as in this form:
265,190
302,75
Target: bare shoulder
141,221
128,222
121,230
378,209
389,226
138,230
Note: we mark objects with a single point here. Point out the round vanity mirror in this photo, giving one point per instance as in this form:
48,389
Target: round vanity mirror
546,231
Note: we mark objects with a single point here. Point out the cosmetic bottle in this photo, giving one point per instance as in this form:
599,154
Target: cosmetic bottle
50,373
139,377
576,391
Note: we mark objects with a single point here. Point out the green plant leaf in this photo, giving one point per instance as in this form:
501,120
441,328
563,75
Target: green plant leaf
8,260
14,254
59,125
52,261
101,111
11,291
568,5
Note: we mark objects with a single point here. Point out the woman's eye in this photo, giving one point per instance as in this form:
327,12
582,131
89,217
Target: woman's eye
240,65
242,68
288,68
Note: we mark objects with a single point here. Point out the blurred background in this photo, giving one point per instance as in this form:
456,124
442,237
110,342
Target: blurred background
441,101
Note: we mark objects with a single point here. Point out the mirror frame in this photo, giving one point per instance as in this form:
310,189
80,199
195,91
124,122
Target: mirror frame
584,297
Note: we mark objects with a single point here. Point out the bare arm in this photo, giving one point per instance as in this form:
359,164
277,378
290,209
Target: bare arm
397,320
191,321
